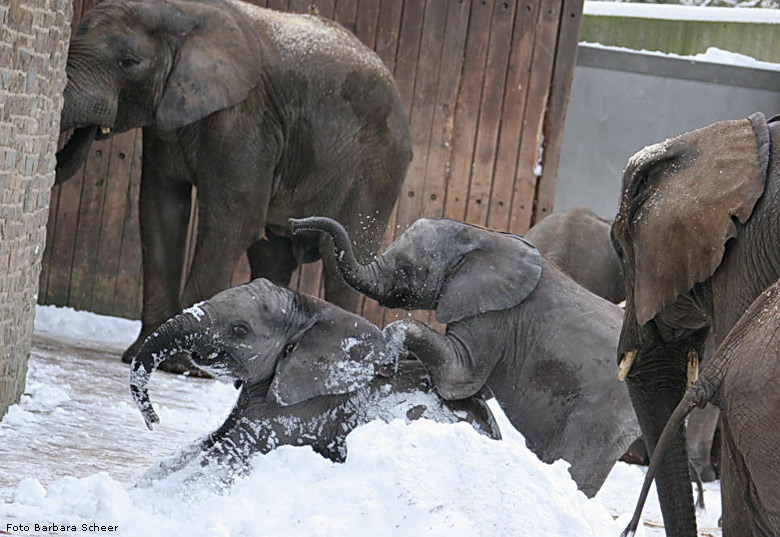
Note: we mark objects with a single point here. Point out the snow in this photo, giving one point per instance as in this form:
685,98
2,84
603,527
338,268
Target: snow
711,55
75,447
680,12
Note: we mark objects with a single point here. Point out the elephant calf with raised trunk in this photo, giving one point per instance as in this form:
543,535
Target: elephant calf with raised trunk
309,371
515,324
270,115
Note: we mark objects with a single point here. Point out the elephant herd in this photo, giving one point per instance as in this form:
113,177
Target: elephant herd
295,137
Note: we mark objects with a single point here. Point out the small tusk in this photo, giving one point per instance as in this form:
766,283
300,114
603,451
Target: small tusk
622,304
105,130
625,364
693,367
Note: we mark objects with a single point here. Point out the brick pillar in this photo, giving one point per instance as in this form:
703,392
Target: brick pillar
33,49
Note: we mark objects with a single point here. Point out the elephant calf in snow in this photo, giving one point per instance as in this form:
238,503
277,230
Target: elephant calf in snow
515,323
309,372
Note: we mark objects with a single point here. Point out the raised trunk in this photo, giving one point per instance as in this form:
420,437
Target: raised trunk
175,335
371,280
71,157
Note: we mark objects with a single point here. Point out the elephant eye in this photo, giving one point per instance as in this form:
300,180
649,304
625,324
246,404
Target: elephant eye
240,329
128,62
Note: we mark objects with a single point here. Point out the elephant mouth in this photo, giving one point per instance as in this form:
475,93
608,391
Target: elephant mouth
217,364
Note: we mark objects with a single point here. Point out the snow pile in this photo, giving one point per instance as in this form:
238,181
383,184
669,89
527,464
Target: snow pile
75,445
419,479
81,326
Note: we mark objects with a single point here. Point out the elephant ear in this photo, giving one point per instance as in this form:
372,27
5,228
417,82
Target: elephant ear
217,64
334,352
498,272
680,202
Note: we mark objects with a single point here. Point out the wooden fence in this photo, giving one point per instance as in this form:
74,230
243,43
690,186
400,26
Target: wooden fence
485,84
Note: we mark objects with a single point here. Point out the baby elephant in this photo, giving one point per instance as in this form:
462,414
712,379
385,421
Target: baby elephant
515,323
309,372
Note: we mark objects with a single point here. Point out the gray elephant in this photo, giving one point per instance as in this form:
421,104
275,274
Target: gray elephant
516,324
579,242
741,379
309,372
269,115
698,237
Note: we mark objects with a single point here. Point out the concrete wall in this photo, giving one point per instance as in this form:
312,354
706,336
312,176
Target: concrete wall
33,47
622,101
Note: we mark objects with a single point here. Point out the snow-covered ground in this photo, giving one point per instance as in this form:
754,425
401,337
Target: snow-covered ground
72,449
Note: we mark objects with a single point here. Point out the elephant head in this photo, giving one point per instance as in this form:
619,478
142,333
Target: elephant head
456,269
163,62
295,347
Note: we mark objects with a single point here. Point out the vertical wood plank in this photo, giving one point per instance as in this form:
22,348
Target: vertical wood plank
386,46
491,112
423,100
110,229
346,14
467,111
524,190
439,152
88,230
515,96
560,86
367,21
128,292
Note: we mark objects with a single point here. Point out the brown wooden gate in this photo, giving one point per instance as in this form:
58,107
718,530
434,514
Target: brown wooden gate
485,84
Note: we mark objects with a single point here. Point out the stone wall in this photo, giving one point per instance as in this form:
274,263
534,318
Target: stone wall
33,48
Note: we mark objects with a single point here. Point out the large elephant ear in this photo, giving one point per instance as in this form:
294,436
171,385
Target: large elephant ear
217,64
679,204
498,272
334,352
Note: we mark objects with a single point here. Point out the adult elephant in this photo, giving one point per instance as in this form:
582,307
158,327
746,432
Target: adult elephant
741,378
698,235
309,372
516,324
269,115
578,241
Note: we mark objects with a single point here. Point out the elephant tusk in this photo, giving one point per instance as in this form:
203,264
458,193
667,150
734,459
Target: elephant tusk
625,364
105,130
693,367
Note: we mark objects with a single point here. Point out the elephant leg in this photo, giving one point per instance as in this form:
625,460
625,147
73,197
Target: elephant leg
272,258
164,209
656,384
700,431
455,373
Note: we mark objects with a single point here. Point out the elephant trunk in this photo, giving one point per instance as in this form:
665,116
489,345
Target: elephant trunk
370,280
178,334
71,157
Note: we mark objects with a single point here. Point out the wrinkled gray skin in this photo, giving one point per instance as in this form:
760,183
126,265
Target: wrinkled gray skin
657,381
741,379
515,324
309,371
578,241
269,115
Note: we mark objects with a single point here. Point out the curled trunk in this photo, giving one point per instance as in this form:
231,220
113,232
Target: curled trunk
71,157
174,336
370,280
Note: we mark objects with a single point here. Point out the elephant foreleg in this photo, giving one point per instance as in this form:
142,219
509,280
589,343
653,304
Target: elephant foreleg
164,209
454,371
